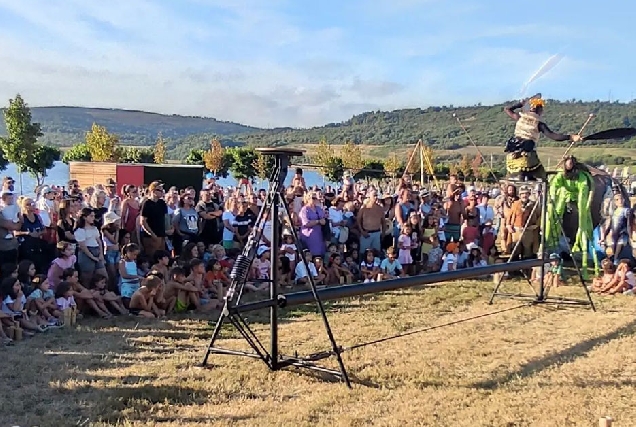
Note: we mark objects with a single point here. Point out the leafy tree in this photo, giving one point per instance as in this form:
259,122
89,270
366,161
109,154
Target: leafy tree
41,160
324,153
214,157
475,165
352,156
242,165
371,169
392,165
464,166
78,153
334,169
159,154
263,165
101,144
135,155
195,157
21,141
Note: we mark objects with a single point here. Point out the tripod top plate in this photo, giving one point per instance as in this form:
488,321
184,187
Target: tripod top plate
277,151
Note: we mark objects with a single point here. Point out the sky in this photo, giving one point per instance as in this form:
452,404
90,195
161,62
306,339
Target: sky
301,63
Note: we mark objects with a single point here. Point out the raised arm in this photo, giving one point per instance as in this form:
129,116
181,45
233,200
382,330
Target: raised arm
511,110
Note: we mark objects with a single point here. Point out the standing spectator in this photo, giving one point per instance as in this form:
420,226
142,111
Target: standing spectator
312,218
153,220
98,204
112,201
210,215
31,243
8,242
65,223
228,219
371,223
130,209
186,223
47,209
486,212
90,258
242,223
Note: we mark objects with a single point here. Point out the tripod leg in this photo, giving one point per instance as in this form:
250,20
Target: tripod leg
215,334
323,314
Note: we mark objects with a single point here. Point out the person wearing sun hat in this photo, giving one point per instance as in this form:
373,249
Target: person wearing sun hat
522,161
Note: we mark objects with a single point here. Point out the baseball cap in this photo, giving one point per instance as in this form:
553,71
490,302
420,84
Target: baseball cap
155,185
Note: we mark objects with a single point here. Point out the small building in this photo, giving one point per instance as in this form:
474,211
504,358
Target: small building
139,174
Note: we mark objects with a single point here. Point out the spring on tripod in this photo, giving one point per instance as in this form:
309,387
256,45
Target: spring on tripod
241,267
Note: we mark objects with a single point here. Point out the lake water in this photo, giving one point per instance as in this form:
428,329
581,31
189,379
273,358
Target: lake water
59,175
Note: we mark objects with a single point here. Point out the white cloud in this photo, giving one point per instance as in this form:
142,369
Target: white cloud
241,60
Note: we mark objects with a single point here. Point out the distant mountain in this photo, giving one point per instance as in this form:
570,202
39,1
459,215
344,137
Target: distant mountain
438,127
67,126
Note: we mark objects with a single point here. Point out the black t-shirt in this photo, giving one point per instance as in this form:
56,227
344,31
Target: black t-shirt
63,227
99,217
155,214
210,226
242,223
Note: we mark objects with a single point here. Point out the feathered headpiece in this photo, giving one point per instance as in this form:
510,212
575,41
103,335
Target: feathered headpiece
536,103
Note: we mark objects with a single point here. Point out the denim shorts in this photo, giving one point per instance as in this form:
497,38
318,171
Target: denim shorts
87,264
112,257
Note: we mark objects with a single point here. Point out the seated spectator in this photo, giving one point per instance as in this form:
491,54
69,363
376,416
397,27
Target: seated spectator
370,267
142,301
65,259
602,283
129,277
434,256
13,305
41,302
105,297
337,273
301,274
390,266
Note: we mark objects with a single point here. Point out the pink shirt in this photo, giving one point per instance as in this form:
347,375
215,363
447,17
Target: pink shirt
57,266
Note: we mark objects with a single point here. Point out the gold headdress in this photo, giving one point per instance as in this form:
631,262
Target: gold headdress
536,103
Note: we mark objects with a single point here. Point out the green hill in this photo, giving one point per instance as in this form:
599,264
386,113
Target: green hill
66,126
487,125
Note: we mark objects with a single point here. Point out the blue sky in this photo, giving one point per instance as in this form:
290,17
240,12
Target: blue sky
300,63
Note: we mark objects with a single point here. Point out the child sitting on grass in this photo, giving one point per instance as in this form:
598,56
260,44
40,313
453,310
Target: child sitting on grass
142,301
216,278
390,266
185,293
370,266
604,282
13,305
100,292
337,273
64,297
41,302
197,278
161,261
301,273
83,296
434,256
65,259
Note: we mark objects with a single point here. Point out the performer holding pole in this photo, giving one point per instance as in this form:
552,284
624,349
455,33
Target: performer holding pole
522,161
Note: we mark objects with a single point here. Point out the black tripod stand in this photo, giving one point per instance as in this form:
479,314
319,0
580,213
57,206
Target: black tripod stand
542,297
239,276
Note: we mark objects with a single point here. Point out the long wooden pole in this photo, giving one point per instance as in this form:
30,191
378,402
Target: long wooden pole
421,162
589,118
408,163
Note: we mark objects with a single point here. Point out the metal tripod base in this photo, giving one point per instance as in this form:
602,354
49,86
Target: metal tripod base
231,311
542,297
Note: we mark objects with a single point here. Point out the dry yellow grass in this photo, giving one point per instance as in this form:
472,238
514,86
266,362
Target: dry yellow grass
528,367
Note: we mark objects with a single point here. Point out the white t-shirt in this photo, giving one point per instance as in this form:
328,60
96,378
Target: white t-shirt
441,235
449,259
228,235
301,271
10,213
8,300
64,303
290,256
335,215
89,236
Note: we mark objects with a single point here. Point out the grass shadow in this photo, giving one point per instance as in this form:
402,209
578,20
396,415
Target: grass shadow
567,355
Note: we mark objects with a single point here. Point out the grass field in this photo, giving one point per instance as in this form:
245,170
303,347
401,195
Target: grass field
548,155
533,366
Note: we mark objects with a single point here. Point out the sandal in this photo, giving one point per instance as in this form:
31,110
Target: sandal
42,328
7,341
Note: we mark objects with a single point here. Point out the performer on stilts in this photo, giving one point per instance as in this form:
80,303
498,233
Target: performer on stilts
522,161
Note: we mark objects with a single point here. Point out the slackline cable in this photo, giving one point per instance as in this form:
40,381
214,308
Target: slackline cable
430,328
